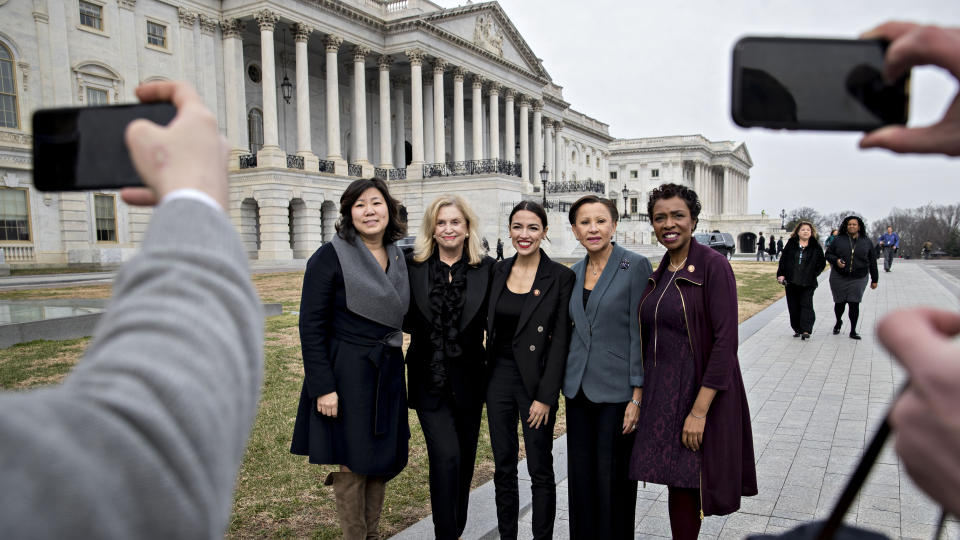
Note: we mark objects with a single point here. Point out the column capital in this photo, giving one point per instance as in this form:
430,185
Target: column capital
439,65
509,94
558,126
524,100
415,56
384,61
208,25
537,105
459,73
332,42
478,81
548,123
230,28
187,18
301,32
266,19
128,4
493,87
360,53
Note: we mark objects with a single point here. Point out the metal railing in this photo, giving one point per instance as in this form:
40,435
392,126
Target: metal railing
327,166
248,161
390,174
465,168
354,169
294,162
576,187
398,174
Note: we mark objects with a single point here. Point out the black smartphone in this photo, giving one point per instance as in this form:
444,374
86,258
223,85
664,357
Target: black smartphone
83,148
815,84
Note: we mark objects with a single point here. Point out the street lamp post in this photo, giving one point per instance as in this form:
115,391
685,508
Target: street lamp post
783,219
626,209
544,173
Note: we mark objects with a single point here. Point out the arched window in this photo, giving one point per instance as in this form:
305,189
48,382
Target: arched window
9,114
255,129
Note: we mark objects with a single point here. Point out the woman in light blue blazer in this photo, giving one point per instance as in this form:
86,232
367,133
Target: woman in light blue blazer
604,375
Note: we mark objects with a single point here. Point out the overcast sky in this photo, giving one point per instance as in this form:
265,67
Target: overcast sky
663,68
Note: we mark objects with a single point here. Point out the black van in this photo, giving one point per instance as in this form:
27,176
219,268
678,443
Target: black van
722,242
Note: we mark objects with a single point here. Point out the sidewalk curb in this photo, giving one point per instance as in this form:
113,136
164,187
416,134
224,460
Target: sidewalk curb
482,519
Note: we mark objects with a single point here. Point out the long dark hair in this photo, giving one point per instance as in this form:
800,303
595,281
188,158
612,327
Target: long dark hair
396,229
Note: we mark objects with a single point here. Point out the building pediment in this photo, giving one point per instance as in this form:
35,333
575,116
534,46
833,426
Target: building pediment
742,154
486,27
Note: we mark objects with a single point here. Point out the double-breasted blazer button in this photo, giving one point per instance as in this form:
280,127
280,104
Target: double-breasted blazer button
533,348
540,329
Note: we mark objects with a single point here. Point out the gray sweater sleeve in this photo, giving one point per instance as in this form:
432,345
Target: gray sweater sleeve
144,438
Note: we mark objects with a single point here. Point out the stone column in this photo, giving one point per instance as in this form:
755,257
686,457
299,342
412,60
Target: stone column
235,97
494,120
439,136
537,142
274,225
459,150
509,131
129,49
359,117
332,44
301,33
207,66
386,161
416,113
477,105
271,155
548,149
558,153
399,125
525,141
698,181
428,136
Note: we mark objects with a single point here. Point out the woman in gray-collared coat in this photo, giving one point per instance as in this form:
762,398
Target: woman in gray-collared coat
603,375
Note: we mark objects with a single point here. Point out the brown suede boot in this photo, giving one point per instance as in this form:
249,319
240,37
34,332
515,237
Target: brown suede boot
349,489
376,488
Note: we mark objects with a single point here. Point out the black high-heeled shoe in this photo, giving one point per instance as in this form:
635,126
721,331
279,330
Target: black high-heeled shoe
836,329
796,334
854,335
804,336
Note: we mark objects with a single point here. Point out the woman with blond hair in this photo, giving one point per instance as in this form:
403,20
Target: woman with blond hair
449,282
800,265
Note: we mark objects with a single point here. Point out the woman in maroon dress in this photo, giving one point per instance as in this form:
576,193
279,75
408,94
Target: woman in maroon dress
693,433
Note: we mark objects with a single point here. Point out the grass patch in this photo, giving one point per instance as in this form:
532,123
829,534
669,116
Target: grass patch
279,495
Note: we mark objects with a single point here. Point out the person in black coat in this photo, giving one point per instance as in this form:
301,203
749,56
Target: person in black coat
352,409
528,329
446,361
851,257
801,262
761,248
772,248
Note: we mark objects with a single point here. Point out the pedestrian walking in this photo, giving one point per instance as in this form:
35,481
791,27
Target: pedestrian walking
779,247
830,239
801,262
499,249
772,248
890,243
485,245
761,248
851,257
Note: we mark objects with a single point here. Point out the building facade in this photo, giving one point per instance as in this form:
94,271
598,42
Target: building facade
310,94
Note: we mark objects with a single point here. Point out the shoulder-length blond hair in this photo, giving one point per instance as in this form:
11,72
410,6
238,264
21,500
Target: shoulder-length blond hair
425,245
796,229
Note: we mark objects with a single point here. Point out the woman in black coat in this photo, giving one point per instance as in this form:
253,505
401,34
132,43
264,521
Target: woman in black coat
852,257
446,361
528,329
352,410
801,262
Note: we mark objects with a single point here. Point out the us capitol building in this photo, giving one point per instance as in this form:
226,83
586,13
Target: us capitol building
312,94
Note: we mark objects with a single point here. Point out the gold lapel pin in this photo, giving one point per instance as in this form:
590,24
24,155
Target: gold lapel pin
536,292
691,268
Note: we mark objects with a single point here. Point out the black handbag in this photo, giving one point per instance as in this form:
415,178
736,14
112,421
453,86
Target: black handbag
833,528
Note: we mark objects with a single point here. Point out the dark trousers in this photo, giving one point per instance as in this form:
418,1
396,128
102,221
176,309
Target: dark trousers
602,497
451,434
508,402
887,257
800,306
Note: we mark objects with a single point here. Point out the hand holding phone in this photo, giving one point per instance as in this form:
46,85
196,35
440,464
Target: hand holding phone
915,45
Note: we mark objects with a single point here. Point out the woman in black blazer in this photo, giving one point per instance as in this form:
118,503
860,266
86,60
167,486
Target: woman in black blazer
800,265
449,281
528,329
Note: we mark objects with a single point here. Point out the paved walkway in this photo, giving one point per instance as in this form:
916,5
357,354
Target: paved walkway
814,406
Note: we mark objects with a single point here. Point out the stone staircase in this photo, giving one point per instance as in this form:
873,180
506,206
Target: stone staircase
654,252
